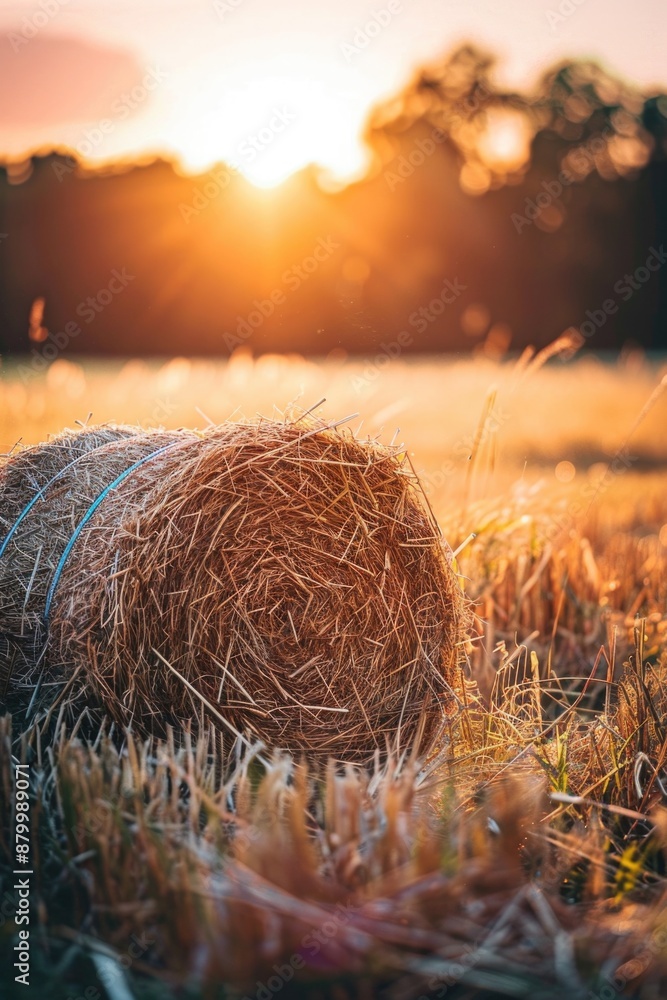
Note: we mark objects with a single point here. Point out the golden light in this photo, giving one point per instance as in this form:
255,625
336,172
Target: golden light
270,127
565,472
505,143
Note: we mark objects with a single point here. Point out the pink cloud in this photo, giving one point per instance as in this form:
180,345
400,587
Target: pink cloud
56,80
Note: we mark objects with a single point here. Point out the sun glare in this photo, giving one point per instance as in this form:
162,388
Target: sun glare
270,128
506,141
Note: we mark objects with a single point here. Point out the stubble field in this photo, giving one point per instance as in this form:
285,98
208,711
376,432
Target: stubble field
527,856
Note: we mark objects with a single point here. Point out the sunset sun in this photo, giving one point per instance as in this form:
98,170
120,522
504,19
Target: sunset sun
268,128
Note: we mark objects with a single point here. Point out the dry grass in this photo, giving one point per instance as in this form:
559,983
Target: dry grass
581,411
528,859
472,873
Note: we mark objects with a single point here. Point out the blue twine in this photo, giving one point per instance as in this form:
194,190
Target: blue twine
87,516
38,496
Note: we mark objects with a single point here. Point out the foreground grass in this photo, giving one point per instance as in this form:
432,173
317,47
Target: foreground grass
528,862
525,858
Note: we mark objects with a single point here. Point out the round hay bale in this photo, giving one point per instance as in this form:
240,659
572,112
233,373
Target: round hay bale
283,580
44,493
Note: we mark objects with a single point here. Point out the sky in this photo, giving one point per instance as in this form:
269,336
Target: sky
270,86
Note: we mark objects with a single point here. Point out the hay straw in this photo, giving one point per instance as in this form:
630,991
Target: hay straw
44,492
25,475
27,470
286,571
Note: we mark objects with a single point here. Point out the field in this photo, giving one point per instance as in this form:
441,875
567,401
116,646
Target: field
526,857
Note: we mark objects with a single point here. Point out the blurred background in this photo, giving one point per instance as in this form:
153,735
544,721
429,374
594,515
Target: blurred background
220,176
